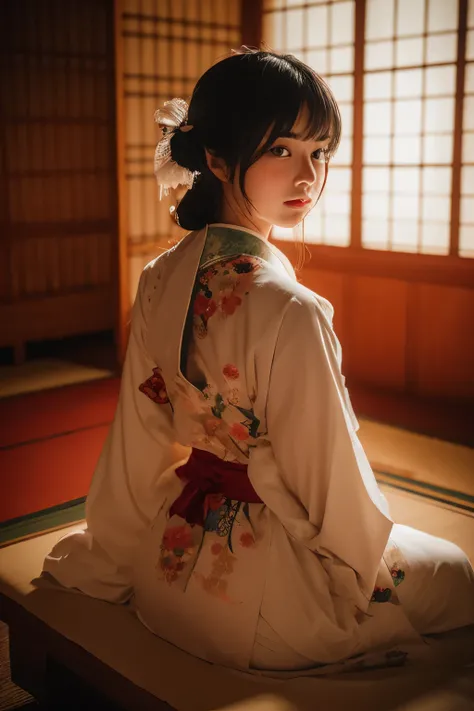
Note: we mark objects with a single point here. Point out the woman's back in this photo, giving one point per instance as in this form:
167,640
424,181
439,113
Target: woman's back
233,500
243,557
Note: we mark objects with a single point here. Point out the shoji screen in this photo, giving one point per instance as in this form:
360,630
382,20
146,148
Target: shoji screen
322,35
412,153
410,87
167,45
466,233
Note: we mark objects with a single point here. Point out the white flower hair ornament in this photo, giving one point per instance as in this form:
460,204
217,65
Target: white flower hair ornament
171,118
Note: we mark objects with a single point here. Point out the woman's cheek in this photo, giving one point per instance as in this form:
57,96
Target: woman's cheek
255,178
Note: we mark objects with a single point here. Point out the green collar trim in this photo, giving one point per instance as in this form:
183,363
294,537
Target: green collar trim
226,242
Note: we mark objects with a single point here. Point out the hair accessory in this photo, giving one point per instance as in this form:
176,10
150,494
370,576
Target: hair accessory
244,49
171,118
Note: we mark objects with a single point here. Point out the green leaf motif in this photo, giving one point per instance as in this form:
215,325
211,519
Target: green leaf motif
254,421
219,407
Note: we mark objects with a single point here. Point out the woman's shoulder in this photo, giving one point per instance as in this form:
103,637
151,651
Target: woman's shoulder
268,283
289,292
177,248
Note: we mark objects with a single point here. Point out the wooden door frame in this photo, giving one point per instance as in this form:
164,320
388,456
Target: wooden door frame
251,19
123,272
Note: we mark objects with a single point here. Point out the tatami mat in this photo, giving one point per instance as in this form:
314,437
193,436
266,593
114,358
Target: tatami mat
418,458
44,374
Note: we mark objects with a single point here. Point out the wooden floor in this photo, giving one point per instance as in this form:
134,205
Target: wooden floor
416,457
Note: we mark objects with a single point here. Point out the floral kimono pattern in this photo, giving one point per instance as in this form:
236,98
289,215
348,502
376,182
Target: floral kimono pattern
228,353
223,281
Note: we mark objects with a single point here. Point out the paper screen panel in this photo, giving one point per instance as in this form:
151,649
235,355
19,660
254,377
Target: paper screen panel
322,35
466,229
168,44
409,109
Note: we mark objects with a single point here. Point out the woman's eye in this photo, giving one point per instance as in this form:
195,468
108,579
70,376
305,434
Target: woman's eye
279,151
318,154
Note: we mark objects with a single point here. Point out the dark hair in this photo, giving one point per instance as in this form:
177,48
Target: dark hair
234,105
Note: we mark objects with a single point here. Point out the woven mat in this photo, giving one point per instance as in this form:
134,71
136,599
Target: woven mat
11,696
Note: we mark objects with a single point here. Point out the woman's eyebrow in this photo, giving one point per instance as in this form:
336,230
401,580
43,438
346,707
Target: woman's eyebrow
298,136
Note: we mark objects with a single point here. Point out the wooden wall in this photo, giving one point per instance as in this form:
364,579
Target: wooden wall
407,331
57,170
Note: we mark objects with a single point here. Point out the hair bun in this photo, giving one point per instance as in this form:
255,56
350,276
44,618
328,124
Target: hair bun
187,151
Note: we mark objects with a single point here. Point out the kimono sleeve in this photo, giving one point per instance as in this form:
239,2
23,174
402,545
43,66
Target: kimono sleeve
124,496
334,505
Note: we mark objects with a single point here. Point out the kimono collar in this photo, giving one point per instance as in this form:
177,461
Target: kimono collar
228,240
171,302
225,241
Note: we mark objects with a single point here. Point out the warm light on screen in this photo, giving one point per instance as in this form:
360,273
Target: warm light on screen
466,233
410,57
166,48
409,124
322,35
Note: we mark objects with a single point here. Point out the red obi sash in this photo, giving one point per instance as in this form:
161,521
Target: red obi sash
205,474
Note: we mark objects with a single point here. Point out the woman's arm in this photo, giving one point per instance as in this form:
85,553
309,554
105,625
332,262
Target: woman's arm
124,497
319,483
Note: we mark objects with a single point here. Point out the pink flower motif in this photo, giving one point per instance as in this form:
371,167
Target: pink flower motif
203,306
230,303
247,540
231,371
177,537
239,432
216,548
155,388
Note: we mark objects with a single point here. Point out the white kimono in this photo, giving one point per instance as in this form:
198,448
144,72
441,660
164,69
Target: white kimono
317,577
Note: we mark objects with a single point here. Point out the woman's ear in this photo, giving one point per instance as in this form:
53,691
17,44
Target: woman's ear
217,166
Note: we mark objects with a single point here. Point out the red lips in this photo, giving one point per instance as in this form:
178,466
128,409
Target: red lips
297,203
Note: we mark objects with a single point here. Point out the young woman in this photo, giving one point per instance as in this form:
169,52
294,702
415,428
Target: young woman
233,501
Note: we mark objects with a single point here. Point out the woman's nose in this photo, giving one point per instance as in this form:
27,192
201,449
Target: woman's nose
308,173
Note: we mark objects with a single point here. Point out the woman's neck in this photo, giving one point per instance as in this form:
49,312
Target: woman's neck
232,214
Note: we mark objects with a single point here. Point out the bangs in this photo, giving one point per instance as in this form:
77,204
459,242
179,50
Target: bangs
324,118
299,88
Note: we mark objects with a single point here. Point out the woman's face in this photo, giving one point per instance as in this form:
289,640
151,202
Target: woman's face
285,183
282,186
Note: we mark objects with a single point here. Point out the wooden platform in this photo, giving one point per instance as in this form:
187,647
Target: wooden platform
69,649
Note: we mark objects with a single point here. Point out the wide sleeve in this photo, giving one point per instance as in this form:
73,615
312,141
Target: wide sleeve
314,474
124,496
